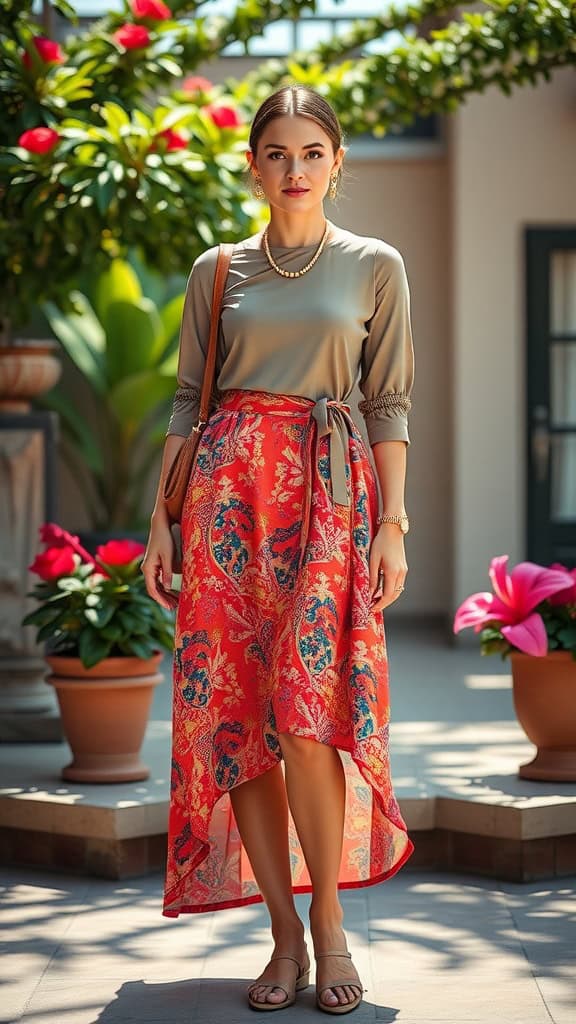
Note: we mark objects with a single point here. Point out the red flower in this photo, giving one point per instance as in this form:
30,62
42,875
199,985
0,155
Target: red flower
48,51
119,552
131,37
173,140
38,140
223,117
57,537
196,83
53,563
154,9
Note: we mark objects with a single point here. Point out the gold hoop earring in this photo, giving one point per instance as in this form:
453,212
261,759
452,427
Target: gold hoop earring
257,190
333,190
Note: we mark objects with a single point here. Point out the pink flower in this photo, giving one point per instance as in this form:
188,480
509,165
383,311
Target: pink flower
39,140
49,52
516,595
567,596
173,140
222,116
132,37
196,83
119,552
153,9
53,563
57,537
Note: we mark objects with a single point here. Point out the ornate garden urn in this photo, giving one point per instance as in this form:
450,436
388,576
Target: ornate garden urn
28,709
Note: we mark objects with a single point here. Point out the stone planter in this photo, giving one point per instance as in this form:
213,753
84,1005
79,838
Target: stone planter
27,369
544,693
104,713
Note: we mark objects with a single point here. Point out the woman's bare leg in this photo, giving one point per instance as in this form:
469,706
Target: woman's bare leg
261,812
316,789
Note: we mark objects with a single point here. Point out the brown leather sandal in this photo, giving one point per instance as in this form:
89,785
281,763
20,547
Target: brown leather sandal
302,981
338,1007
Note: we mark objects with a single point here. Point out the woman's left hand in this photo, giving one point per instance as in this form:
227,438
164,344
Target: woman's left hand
387,554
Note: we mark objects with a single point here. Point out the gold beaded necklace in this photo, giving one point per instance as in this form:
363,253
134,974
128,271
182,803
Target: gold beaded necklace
304,270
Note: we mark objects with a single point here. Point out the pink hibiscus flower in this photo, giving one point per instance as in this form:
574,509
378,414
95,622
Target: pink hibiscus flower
510,608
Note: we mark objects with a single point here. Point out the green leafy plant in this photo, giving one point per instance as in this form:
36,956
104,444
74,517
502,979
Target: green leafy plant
125,347
95,607
105,144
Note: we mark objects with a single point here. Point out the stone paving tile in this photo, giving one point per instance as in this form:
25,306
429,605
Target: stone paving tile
429,947
107,1001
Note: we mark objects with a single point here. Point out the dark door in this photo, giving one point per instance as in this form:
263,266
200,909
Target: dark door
551,394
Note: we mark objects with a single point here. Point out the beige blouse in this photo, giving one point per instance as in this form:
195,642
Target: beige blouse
347,317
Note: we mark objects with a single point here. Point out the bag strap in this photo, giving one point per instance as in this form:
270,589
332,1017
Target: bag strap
224,256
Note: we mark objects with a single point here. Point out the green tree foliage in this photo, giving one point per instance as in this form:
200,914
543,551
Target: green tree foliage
129,158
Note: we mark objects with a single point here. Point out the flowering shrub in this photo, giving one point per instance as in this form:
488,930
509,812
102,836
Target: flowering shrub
95,606
532,609
111,87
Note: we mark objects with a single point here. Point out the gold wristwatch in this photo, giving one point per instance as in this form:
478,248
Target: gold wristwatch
402,521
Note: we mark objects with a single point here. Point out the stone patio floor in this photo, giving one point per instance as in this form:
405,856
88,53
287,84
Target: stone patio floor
430,948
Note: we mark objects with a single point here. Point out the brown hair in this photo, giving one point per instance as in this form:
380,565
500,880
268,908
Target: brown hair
298,100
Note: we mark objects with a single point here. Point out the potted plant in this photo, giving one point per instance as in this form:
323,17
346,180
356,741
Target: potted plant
531,617
104,637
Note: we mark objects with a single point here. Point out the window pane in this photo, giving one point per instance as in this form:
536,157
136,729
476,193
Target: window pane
276,39
563,385
563,291
563,481
354,8
311,32
386,43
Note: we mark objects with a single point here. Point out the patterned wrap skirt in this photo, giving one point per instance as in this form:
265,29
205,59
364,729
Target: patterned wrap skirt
274,633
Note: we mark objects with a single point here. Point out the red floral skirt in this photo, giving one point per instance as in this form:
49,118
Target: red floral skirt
274,633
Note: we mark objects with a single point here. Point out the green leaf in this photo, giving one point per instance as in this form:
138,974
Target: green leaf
117,284
140,648
92,647
76,427
100,616
137,396
567,636
170,66
82,337
133,337
115,117
171,318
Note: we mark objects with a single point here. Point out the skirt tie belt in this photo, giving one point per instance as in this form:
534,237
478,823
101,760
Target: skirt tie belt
333,419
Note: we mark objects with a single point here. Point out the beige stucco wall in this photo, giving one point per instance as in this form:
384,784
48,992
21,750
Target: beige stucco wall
407,203
513,166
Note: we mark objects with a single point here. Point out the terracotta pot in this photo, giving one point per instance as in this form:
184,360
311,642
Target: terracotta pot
27,369
104,713
544,693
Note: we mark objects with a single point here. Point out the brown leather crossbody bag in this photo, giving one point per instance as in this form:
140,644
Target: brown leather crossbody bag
180,471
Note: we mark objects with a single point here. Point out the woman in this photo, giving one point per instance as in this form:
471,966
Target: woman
280,653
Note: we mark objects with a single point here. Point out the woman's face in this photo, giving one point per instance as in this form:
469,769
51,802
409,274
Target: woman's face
295,153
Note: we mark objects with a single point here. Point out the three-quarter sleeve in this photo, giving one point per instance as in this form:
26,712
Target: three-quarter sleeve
193,343
387,363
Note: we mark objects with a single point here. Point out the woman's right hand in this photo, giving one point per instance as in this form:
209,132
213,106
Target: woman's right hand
157,564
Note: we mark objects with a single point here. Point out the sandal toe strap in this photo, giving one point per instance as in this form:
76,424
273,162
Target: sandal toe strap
270,985
341,984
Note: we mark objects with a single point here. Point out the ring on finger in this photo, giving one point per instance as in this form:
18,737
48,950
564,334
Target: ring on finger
380,580
381,574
